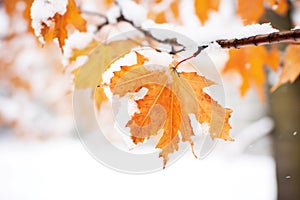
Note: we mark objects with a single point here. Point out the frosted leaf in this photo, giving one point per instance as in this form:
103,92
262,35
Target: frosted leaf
43,10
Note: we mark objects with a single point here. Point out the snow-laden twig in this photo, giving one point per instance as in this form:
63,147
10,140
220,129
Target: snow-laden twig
277,37
263,39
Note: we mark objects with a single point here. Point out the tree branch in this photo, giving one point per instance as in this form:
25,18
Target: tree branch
176,47
276,37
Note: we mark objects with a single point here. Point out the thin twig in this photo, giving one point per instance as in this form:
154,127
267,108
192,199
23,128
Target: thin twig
94,14
170,41
99,26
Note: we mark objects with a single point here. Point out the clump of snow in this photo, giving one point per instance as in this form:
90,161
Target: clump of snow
77,40
112,14
161,58
43,10
255,29
133,11
296,27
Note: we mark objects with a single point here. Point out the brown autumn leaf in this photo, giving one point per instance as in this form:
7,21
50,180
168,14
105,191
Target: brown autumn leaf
171,97
291,67
249,63
59,30
89,75
204,7
252,10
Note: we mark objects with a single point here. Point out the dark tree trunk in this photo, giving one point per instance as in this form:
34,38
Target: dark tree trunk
285,109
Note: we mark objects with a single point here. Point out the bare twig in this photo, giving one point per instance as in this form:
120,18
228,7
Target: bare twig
170,41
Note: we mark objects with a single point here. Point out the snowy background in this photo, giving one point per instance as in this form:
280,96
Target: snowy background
42,158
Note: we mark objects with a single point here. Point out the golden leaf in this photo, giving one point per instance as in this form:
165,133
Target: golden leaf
89,75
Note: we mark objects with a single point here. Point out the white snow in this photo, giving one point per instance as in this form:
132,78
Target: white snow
224,24
77,40
210,33
133,11
112,14
4,23
296,13
62,169
43,10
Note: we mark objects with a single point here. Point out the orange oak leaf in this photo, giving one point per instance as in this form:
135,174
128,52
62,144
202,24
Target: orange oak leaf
252,10
89,75
291,69
171,98
71,16
204,7
249,63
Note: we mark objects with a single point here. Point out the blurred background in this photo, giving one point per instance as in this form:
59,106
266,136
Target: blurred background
41,156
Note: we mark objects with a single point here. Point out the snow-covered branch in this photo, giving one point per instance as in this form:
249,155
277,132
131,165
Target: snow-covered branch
277,37
255,40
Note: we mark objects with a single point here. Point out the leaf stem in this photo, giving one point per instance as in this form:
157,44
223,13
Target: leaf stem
200,48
